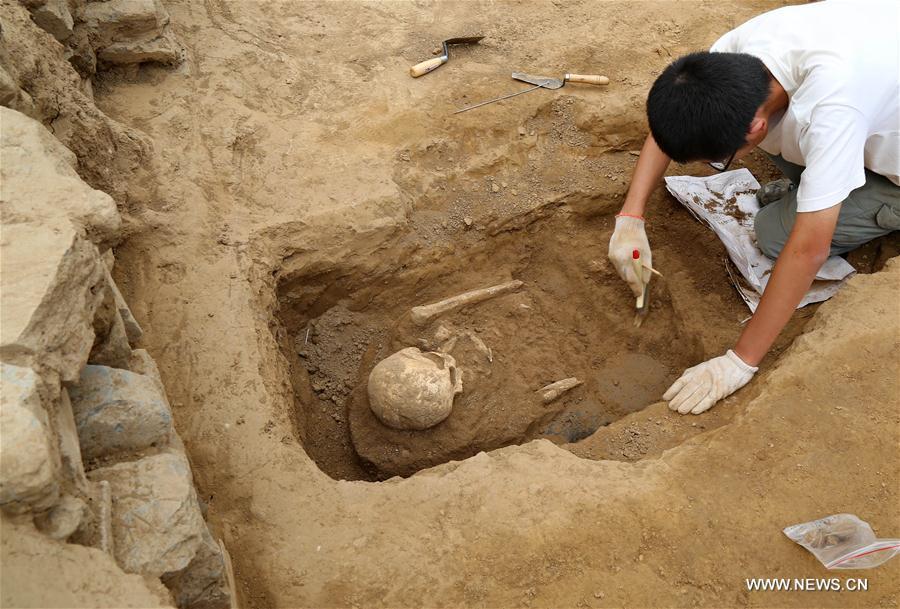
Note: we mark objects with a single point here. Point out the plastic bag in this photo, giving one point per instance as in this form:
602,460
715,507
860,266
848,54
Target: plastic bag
843,541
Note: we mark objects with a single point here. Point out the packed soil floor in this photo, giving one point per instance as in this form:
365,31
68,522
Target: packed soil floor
306,193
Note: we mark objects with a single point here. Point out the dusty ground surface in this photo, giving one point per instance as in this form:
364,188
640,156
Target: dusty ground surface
303,181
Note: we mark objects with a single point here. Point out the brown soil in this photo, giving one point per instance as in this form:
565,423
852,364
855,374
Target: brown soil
303,182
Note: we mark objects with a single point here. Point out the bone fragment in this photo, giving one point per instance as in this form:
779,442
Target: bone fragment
442,334
423,314
448,345
554,390
481,347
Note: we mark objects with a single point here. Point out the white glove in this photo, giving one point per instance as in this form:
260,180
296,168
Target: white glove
700,387
628,236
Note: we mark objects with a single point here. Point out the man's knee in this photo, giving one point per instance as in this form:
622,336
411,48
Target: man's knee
770,233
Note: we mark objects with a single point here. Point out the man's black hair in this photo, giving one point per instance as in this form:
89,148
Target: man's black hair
701,106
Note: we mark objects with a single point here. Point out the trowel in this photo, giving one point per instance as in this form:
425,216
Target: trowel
642,303
555,83
543,82
428,65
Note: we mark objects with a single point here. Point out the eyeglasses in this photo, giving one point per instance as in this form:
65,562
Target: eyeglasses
720,166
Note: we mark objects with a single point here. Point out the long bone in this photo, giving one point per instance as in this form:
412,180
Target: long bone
423,314
554,390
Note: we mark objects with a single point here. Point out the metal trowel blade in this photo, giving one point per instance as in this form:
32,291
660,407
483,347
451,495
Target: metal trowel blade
541,81
463,40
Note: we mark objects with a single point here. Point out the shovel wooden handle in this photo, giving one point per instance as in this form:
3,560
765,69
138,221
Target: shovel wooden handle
426,66
588,79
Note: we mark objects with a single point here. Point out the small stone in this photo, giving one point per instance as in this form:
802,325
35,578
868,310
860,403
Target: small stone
111,346
599,594
50,274
141,362
124,19
28,464
207,581
40,182
515,193
162,49
69,444
53,16
156,521
13,97
495,187
131,31
63,520
81,55
467,221
118,411
504,184
521,130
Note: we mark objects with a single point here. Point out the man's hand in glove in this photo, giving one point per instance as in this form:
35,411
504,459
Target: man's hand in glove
628,236
700,387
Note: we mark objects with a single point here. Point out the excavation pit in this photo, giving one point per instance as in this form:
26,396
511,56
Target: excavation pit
572,317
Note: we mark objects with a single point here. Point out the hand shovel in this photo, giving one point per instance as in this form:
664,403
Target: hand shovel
555,83
541,82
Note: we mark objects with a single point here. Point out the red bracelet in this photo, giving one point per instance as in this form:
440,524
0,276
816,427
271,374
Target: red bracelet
631,216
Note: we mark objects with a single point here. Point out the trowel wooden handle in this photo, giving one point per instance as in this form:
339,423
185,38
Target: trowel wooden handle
426,66
589,79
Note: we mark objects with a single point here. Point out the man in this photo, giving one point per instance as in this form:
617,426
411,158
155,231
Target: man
816,86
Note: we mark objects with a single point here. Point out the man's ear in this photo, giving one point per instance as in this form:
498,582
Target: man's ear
757,125
757,130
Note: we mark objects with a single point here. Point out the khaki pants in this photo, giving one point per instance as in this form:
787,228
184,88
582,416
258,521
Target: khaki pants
870,211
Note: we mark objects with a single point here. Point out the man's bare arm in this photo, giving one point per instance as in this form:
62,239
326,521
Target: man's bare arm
804,253
648,171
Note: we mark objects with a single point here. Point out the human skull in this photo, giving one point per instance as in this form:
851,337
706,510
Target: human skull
414,390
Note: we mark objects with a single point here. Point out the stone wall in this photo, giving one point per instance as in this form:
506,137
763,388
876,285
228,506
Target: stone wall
89,456
108,32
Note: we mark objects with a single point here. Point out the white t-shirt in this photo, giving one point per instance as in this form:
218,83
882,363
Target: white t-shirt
839,62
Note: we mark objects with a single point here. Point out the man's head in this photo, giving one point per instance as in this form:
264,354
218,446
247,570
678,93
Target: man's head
702,107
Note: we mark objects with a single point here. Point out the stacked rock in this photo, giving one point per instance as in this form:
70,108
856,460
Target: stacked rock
89,454
108,32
